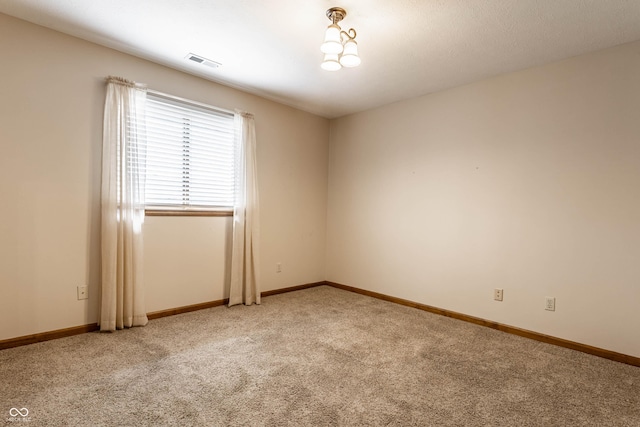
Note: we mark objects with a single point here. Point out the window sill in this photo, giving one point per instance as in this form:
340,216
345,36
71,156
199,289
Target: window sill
160,212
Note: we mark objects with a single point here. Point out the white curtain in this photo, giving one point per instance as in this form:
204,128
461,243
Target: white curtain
245,280
123,164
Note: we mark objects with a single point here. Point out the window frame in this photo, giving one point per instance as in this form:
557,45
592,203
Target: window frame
186,210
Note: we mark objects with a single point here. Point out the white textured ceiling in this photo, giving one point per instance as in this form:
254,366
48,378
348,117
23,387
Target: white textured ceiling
408,47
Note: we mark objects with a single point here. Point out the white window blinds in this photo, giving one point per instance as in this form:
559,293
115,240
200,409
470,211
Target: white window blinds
190,156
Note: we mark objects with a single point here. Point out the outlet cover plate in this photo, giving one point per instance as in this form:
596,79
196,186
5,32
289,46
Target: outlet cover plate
550,304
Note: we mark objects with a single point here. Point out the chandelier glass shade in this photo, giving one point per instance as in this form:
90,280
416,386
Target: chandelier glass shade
332,40
331,62
349,57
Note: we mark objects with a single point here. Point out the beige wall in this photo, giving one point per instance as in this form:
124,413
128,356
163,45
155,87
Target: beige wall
51,104
528,182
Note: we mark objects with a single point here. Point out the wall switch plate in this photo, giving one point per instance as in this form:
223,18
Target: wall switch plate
550,304
278,267
83,292
498,294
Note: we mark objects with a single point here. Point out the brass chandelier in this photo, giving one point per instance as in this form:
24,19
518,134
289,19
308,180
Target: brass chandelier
340,48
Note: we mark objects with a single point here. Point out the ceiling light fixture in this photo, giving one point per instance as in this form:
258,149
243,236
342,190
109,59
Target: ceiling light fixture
340,48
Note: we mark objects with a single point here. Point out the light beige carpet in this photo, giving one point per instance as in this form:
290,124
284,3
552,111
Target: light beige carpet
320,356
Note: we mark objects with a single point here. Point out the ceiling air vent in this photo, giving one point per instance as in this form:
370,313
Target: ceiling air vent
203,61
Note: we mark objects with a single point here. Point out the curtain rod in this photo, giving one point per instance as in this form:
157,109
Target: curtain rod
189,101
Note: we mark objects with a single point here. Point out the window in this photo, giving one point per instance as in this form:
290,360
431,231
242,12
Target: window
190,156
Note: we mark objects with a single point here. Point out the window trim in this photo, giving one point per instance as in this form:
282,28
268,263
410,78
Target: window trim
192,212
190,101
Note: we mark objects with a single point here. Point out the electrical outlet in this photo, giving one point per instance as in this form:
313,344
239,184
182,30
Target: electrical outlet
83,292
497,294
278,267
550,304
